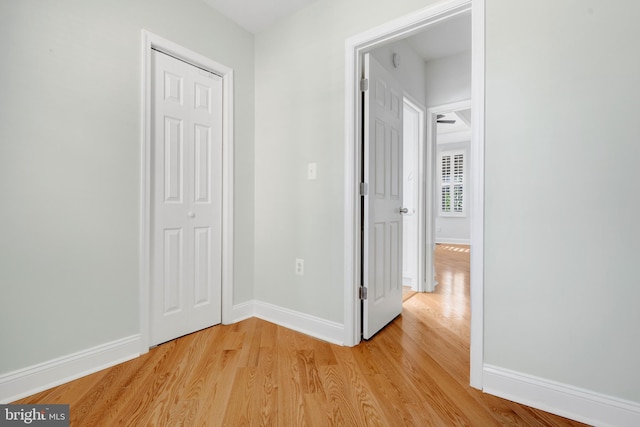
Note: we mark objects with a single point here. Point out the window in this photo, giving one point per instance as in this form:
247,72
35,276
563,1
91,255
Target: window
452,180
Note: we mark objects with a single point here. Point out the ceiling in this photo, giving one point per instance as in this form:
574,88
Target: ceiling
462,121
444,38
256,15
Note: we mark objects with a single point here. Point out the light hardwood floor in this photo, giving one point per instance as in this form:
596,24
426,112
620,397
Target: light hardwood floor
415,372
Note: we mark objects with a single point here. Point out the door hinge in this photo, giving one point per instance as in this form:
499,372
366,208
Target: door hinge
362,292
364,189
364,85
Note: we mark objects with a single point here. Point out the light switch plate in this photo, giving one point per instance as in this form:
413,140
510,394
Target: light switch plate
312,169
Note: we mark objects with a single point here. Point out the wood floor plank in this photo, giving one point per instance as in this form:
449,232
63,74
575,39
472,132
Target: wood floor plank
217,393
415,372
340,402
435,385
365,403
291,409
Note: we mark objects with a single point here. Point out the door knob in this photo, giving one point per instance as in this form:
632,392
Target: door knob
404,210
191,214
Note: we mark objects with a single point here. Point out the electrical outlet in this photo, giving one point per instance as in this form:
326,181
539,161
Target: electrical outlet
299,267
312,171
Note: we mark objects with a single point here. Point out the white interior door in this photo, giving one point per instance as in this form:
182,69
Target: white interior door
382,246
186,193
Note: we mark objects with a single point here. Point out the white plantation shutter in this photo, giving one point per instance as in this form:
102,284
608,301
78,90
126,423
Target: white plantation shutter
452,182
458,182
445,175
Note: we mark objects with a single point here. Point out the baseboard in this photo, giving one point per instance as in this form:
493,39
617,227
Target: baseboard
444,241
314,326
242,311
34,379
560,399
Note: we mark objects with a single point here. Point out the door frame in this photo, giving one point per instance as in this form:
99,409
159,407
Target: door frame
152,41
420,213
355,47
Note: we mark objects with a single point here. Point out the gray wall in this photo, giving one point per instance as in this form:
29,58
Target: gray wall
411,71
300,119
448,79
70,138
562,200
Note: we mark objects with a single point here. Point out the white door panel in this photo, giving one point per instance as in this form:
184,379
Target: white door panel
382,249
186,216
411,173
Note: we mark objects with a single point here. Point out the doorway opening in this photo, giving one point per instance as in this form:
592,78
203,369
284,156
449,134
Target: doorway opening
356,47
449,141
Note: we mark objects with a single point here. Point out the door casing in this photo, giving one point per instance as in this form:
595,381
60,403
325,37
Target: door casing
149,41
355,47
420,206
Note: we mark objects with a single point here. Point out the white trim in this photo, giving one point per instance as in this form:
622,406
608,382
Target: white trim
145,193
316,327
355,47
34,379
228,191
561,399
446,240
242,311
149,41
454,137
421,206
476,191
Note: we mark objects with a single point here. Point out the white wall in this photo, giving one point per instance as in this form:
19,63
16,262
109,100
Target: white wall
299,119
562,234
410,73
70,138
448,79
